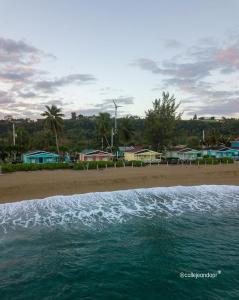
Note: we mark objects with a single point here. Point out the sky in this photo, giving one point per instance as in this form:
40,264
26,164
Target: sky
81,54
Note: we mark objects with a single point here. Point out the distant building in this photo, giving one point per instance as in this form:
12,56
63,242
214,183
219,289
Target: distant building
220,152
212,151
145,155
235,144
122,150
126,148
40,157
228,153
95,155
184,153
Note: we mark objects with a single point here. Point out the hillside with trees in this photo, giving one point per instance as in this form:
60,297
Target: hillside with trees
162,128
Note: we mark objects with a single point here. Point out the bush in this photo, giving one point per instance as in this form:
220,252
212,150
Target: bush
226,160
6,168
84,165
214,161
135,163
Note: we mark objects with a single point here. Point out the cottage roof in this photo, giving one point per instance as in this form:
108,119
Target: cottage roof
40,153
227,150
96,152
146,150
177,147
187,150
135,149
126,148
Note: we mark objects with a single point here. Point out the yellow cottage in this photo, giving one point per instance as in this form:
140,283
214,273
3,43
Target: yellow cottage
143,155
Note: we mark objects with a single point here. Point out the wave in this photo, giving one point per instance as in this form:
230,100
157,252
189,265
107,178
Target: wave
117,207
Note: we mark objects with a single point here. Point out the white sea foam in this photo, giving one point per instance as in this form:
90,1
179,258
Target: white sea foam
119,206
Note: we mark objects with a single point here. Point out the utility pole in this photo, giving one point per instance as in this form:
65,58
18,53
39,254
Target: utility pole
112,137
115,131
10,119
13,133
116,108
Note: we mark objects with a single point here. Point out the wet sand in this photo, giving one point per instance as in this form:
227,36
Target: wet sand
40,184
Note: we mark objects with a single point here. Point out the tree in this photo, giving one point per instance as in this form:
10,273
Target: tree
195,117
103,125
126,129
73,116
22,140
54,121
212,139
193,142
160,121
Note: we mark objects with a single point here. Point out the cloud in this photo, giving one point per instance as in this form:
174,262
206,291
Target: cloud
24,108
147,65
51,86
25,84
196,70
12,75
172,43
106,105
5,98
19,52
27,94
223,108
119,100
57,102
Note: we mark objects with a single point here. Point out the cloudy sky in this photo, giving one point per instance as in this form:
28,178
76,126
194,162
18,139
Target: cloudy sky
81,54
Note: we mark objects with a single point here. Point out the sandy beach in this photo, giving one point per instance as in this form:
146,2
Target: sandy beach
40,184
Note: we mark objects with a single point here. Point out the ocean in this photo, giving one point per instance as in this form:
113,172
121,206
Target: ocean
160,243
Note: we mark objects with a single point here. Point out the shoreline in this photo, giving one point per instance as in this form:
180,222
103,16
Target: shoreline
41,184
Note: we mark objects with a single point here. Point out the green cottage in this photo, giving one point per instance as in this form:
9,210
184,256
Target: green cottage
40,157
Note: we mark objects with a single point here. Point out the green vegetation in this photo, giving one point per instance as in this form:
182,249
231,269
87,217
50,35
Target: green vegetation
213,161
103,126
54,122
160,122
161,128
92,165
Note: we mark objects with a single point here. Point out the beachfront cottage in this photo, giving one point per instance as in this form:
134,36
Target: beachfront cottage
95,155
228,153
40,157
184,153
122,150
212,151
144,155
235,144
220,152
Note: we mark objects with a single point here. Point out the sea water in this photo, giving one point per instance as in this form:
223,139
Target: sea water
160,243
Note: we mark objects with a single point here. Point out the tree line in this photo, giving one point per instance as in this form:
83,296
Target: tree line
162,128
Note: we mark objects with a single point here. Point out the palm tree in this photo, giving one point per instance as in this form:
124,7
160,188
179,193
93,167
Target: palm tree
54,121
104,127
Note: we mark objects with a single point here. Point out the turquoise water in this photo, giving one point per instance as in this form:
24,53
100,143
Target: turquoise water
138,244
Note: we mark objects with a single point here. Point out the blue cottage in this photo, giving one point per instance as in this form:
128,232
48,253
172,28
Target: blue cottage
228,153
40,157
235,144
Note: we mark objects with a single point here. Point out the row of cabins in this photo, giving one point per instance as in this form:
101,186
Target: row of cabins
192,154
127,153
137,153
